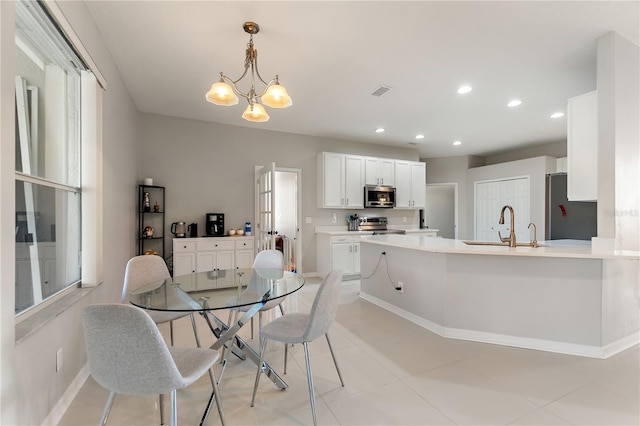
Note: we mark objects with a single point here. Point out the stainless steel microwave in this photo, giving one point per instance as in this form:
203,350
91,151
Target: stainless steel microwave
379,196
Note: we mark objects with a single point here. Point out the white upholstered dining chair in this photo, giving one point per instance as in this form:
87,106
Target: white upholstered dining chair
146,269
304,328
266,259
127,355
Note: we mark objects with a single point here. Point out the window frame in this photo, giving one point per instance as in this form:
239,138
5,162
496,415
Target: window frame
92,84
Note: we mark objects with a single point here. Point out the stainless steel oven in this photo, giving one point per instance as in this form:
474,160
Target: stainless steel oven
379,196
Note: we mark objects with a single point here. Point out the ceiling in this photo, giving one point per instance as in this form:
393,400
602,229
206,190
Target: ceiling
331,56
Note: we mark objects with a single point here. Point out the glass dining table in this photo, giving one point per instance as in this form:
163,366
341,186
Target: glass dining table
208,293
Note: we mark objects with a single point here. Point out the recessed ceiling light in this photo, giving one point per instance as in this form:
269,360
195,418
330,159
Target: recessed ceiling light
557,115
419,136
456,143
379,130
514,103
464,89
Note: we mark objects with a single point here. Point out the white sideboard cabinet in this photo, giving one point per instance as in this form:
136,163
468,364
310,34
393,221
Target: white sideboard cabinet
340,181
582,147
211,253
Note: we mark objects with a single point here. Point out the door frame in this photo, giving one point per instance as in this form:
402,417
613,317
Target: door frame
256,216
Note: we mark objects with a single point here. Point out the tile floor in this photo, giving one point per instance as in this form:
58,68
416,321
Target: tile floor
395,373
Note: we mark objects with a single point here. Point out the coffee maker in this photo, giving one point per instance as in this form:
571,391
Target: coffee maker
214,224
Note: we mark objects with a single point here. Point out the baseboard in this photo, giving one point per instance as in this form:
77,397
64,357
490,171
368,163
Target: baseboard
589,351
61,407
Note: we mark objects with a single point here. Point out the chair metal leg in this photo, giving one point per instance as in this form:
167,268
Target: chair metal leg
281,308
312,395
263,347
174,408
252,327
334,358
171,331
286,347
161,407
107,409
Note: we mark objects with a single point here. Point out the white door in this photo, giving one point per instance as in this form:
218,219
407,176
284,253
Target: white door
491,196
266,225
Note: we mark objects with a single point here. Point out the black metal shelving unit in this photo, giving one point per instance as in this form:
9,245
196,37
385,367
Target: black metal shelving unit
152,216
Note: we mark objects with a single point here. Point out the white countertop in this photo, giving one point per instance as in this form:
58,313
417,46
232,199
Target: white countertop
554,248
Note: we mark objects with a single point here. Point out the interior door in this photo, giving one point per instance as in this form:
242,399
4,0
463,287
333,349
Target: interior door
266,207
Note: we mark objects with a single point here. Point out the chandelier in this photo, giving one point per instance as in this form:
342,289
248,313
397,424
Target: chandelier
225,92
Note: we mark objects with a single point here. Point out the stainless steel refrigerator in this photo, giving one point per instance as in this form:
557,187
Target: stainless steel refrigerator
575,220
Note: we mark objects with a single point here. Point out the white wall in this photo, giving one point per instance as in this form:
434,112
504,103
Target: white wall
31,388
618,143
209,168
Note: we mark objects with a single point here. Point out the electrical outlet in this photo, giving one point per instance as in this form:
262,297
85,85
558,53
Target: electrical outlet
334,217
307,219
404,219
400,287
59,360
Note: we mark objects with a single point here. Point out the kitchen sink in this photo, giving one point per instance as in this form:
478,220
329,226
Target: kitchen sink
497,243
486,243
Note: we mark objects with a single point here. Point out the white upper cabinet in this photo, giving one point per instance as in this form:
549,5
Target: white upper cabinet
582,147
379,171
410,181
340,180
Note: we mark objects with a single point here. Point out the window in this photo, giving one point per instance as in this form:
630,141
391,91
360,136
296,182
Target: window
48,217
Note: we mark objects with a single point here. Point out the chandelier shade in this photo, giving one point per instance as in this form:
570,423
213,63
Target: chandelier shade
256,113
222,94
225,92
276,96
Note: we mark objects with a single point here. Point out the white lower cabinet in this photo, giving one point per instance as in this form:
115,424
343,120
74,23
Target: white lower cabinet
209,254
338,252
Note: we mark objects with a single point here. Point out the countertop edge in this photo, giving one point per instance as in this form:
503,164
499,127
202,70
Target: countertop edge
448,246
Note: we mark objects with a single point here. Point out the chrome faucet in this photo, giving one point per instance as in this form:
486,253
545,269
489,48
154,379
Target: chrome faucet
512,234
534,242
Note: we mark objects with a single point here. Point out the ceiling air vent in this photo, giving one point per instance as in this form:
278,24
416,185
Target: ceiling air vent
381,91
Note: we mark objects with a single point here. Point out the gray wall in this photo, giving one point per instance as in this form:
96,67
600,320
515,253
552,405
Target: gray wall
453,170
208,167
31,388
554,149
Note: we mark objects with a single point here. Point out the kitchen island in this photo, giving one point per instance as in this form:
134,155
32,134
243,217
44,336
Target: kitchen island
561,297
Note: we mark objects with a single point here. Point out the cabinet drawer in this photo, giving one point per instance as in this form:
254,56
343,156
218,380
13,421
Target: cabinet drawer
244,244
184,247
215,245
341,239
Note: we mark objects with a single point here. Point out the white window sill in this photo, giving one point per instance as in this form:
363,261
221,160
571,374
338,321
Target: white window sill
41,318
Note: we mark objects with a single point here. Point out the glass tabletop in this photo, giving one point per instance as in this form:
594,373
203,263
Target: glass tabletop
221,289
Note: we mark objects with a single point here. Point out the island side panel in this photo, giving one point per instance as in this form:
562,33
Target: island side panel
423,276
621,303
544,299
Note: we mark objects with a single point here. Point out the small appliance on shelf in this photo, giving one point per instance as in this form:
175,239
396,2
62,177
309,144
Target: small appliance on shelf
214,224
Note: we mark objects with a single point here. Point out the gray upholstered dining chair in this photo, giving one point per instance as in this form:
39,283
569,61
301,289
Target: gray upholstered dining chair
267,259
127,355
304,328
146,269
